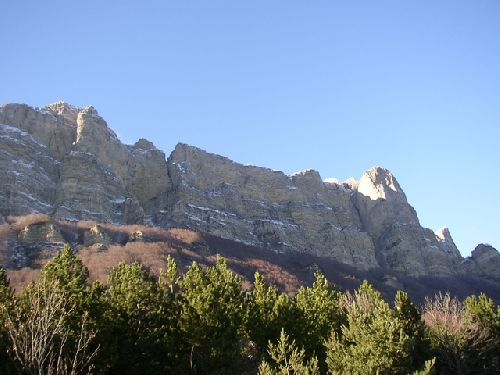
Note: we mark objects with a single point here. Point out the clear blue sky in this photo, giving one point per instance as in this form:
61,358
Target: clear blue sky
338,86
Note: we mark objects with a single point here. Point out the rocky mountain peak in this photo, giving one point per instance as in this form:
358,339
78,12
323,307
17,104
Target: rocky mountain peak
309,179
482,249
64,109
443,235
484,260
307,173
351,183
90,110
379,183
92,127
144,144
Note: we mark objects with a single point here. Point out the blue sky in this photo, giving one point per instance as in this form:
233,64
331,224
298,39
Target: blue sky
337,86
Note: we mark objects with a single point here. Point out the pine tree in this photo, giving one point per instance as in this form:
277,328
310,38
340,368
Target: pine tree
267,313
318,307
68,274
138,319
373,341
414,327
483,339
287,359
211,318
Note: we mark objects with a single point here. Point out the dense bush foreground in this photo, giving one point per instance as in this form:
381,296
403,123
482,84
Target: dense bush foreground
203,322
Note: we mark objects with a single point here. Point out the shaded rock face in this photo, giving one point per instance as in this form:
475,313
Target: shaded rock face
29,173
66,162
484,261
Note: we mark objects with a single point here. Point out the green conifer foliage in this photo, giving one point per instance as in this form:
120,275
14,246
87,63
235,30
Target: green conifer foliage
373,341
484,334
138,321
318,307
287,359
6,297
411,319
267,311
68,270
211,317
201,322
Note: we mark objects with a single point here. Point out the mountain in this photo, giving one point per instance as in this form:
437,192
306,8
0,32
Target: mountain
66,162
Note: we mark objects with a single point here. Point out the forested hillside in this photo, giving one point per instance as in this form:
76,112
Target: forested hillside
202,321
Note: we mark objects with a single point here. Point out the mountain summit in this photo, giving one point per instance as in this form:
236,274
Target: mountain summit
66,162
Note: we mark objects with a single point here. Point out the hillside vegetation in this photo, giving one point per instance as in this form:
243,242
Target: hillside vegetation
202,321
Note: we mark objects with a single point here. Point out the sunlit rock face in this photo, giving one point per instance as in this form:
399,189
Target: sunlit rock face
401,242
55,129
66,162
265,208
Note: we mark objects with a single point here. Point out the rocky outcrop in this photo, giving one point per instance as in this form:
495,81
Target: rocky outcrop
140,168
41,232
66,162
484,261
96,237
382,202
35,244
95,138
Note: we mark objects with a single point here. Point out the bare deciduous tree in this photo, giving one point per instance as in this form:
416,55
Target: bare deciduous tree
460,342
41,340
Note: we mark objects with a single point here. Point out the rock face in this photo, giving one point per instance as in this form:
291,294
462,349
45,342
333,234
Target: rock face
484,261
66,162
266,208
401,243
29,173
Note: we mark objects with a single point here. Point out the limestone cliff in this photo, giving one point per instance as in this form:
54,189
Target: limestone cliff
66,162
265,208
